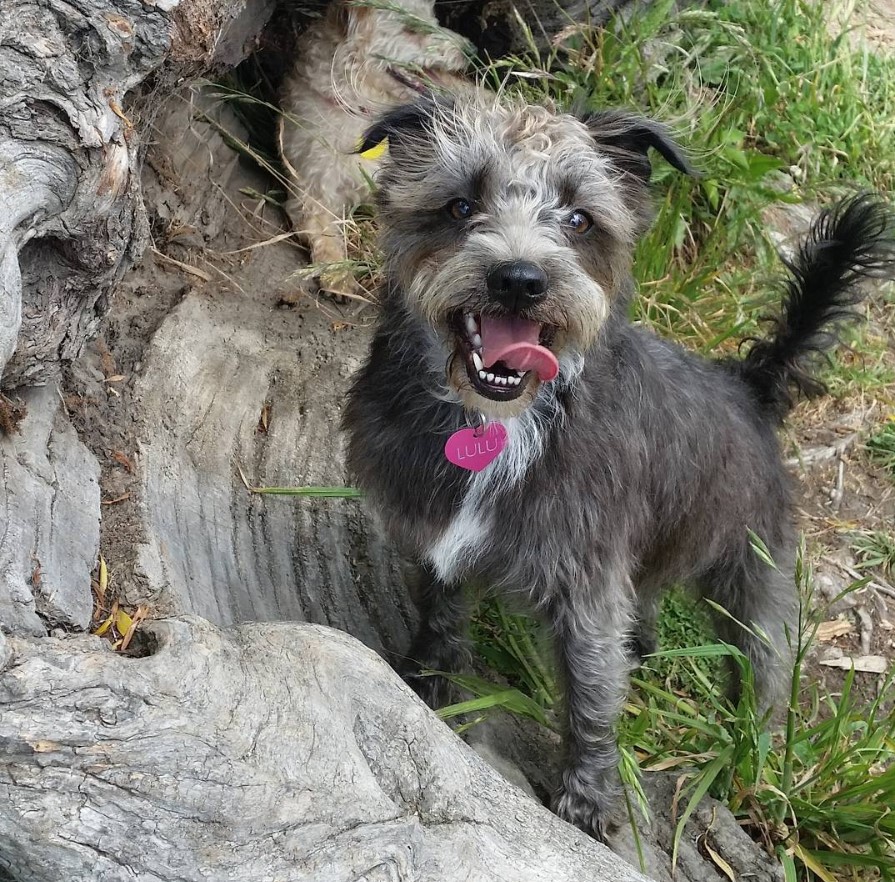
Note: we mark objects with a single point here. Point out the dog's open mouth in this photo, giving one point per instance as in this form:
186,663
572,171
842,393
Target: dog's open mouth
503,353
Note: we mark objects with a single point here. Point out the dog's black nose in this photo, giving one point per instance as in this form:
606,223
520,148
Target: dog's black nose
518,284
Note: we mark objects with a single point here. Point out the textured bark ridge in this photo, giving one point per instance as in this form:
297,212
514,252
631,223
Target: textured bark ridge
75,98
219,379
69,173
50,503
208,546
276,752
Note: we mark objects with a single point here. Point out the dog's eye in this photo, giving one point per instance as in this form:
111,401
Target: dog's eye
579,222
459,209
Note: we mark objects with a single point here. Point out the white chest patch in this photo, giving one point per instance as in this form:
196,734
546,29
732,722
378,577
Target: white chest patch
468,533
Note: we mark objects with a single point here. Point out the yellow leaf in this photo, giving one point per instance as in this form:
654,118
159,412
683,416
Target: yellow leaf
123,622
376,151
103,577
103,627
722,864
813,865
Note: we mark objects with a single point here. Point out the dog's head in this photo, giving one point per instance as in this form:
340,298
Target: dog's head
510,229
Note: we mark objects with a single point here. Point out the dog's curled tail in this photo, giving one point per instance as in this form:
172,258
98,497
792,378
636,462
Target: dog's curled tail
848,242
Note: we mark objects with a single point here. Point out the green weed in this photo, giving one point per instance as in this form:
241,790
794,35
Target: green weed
818,792
876,549
514,646
881,447
682,622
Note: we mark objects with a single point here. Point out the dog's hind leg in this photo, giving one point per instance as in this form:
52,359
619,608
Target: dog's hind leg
441,642
591,627
761,605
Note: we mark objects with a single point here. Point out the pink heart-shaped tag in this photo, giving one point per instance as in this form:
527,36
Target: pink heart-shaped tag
473,452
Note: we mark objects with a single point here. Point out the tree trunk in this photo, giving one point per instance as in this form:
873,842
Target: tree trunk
69,153
80,80
270,752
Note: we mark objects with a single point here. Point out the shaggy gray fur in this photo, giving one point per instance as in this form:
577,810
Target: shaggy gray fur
640,466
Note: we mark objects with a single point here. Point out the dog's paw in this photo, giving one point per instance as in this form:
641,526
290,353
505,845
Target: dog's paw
341,286
584,806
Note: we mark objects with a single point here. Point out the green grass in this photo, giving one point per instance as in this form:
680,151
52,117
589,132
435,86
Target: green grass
773,111
683,622
881,447
876,549
818,790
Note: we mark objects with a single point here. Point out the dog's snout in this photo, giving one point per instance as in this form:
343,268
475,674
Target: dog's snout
517,284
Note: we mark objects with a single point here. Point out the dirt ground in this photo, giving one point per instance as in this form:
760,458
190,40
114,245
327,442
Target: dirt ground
880,24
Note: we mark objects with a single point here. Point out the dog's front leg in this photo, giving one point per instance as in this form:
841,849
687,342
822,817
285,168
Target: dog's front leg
591,629
441,642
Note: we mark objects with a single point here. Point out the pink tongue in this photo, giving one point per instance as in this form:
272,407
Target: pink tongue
514,341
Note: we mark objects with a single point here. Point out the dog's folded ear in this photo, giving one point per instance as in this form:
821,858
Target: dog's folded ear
398,124
627,137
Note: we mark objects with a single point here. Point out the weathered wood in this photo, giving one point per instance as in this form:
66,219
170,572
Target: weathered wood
212,548
201,361
69,156
71,220
277,752
50,504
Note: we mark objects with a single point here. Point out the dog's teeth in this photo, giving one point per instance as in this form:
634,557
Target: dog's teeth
514,381
483,375
471,325
476,341
477,361
520,374
489,378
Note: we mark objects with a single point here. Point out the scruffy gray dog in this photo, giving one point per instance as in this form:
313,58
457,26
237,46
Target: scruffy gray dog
619,463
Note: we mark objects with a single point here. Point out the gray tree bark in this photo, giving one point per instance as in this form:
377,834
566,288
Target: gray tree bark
71,216
80,82
274,752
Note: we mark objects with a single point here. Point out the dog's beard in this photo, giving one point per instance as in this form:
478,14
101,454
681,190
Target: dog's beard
500,347
495,363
